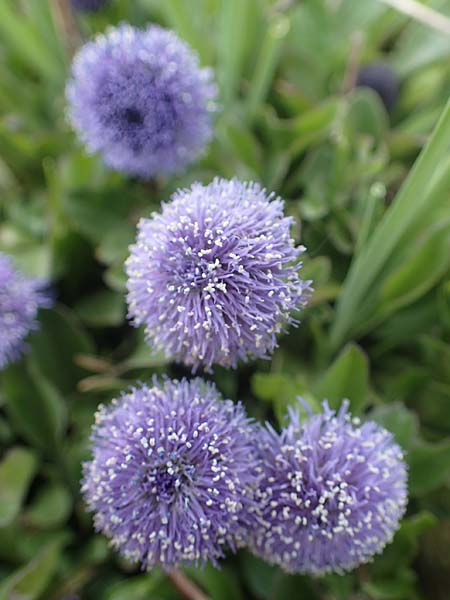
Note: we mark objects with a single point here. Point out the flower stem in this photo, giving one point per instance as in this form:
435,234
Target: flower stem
185,586
66,25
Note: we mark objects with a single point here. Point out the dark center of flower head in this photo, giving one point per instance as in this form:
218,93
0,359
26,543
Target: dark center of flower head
170,478
133,116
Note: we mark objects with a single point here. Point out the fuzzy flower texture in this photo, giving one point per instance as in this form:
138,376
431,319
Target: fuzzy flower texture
140,99
20,299
171,475
332,493
214,277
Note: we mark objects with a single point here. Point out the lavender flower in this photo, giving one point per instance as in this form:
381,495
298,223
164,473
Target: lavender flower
140,99
214,277
171,473
89,5
332,493
20,299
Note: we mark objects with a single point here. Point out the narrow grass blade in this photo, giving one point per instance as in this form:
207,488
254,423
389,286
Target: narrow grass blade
409,202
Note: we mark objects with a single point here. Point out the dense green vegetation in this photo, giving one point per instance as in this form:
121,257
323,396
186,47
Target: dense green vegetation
377,229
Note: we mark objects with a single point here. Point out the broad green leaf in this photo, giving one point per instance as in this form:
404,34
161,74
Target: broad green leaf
366,115
34,405
346,378
282,390
218,584
429,466
102,309
142,587
399,587
397,419
55,346
29,582
16,472
51,507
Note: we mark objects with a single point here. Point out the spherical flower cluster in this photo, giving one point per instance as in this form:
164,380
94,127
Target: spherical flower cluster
171,476
89,5
20,299
140,99
332,493
215,276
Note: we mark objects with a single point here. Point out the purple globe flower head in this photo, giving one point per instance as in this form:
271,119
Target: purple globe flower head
21,297
88,5
171,475
332,494
141,100
214,277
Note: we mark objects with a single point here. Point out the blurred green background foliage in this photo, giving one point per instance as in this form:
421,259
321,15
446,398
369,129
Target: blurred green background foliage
377,330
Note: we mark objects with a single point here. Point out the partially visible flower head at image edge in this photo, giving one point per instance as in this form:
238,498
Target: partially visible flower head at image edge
21,297
140,99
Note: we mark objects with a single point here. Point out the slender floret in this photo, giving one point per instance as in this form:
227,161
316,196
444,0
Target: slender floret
89,5
141,100
20,299
214,277
332,494
171,475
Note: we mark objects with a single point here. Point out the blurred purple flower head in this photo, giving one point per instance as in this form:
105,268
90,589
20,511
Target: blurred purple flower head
332,493
89,5
140,99
20,299
214,277
171,476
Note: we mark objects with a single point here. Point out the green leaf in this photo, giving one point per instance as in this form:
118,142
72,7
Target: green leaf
16,472
282,391
51,507
31,581
366,115
55,345
415,196
142,587
429,466
102,309
34,405
220,585
346,378
22,36
419,272
397,419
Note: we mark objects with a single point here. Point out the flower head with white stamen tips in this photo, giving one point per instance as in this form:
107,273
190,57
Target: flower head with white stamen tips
332,493
214,278
171,479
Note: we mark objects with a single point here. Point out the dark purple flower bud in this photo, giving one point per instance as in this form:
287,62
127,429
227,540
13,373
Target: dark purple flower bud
89,5
382,80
